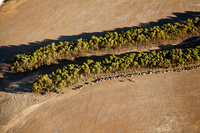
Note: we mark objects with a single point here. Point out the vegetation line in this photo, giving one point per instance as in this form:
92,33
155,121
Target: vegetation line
72,73
133,74
111,40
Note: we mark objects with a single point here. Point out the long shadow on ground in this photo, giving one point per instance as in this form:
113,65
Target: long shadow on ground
21,82
7,52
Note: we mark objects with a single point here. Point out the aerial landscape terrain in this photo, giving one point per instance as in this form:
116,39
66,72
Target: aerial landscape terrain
98,66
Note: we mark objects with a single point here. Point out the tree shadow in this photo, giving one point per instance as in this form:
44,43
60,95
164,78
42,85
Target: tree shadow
20,82
178,17
191,42
6,57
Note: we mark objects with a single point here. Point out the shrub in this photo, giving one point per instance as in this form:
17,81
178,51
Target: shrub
53,52
73,72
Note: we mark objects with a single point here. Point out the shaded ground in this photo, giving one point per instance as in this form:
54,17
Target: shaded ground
21,82
154,103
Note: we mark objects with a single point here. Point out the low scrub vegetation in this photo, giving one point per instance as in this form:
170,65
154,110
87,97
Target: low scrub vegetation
72,73
53,52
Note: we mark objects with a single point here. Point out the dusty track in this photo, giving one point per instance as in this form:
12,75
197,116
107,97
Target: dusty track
154,103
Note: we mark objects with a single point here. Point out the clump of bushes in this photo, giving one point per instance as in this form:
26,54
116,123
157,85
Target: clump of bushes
72,73
53,52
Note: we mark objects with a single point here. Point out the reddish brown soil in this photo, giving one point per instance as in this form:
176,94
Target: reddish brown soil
154,103
37,20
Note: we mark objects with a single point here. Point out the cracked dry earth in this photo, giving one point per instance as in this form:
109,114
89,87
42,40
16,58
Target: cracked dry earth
154,103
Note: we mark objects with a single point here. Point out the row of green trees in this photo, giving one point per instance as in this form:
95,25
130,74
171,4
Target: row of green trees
53,52
72,73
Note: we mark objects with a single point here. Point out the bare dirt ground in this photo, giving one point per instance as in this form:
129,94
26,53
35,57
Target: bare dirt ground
35,21
154,103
